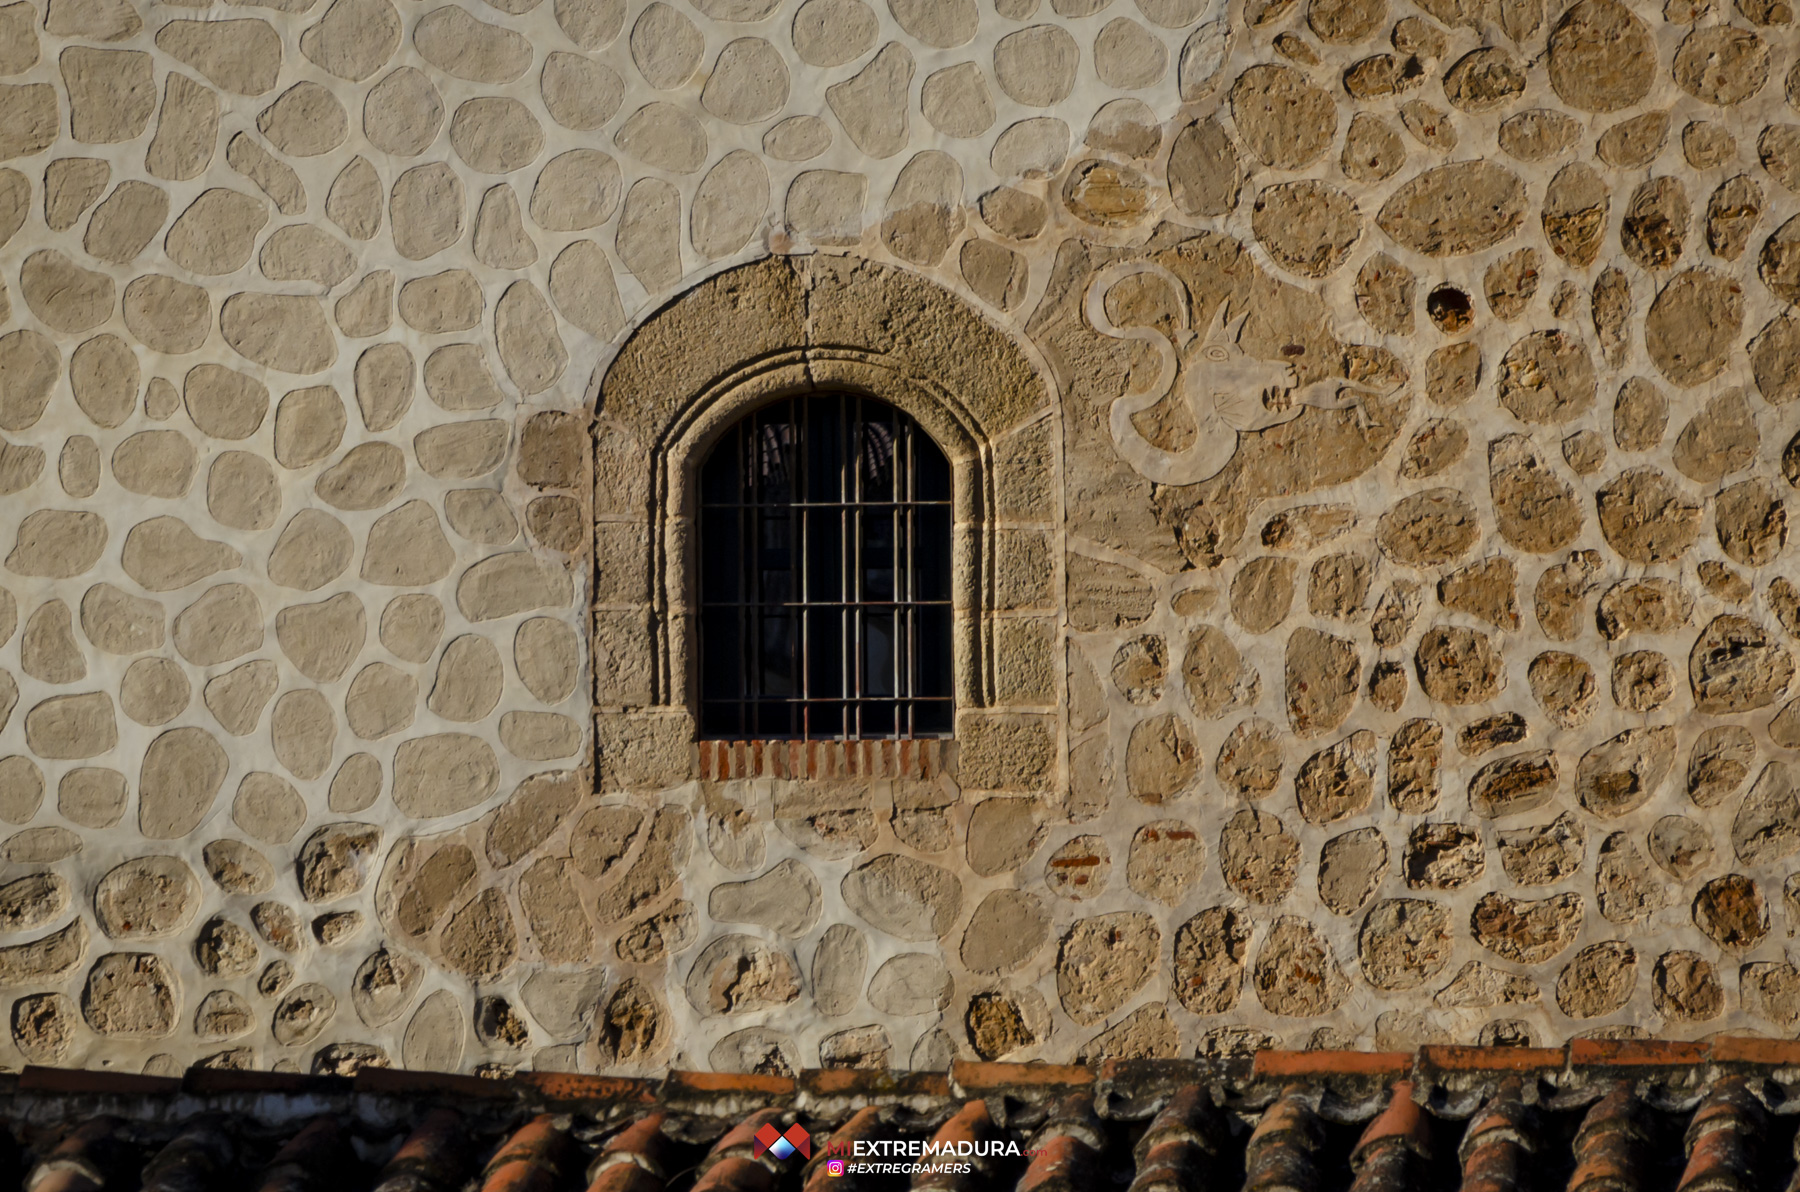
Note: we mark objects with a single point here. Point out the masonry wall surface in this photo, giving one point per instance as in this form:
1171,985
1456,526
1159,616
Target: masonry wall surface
1374,431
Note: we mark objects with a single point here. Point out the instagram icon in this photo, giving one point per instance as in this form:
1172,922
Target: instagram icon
834,1167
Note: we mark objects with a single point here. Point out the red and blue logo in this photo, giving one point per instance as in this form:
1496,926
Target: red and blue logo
782,1146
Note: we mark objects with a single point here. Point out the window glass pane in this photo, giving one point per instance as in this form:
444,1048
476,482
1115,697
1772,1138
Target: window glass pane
824,449
825,530
931,471
721,560
878,555
825,577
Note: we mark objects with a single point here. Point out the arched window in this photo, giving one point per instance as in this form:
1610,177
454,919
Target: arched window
825,600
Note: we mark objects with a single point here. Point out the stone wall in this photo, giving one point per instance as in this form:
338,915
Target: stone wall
1372,434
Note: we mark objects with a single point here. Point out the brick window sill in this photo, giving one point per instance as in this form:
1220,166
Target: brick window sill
909,758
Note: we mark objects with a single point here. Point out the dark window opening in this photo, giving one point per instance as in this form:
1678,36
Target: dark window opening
825,575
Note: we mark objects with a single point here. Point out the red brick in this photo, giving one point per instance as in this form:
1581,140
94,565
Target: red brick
976,1079
1402,1120
774,1088
1620,1053
1740,1049
1310,1065
876,1086
1490,1059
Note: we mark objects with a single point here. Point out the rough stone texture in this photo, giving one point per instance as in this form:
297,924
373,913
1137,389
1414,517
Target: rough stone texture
1281,525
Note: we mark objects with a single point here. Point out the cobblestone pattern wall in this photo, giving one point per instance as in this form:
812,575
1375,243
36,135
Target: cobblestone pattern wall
1422,377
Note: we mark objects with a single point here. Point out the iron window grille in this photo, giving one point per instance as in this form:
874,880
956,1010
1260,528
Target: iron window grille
825,606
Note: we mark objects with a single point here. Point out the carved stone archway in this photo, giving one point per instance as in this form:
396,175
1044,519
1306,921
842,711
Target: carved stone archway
788,325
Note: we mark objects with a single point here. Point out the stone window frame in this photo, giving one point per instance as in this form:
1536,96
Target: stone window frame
787,326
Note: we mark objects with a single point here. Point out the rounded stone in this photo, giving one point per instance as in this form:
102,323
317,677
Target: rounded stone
302,729
1308,227
1455,210
285,332
1404,942
579,93
1483,80
1128,56
576,190
354,38
828,33
458,44
71,727
403,113
123,226
1428,528
1646,518
309,425
1547,377
215,234
1036,66
90,797
238,868
1103,961
154,691
1258,857
63,294
748,83
300,252
167,315
495,134
1721,64
1281,117
305,121
314,548
131,995
156,463
226,622
1296,972
146,898
1161,759
442,774
241,491
907,898
1693,326
1599,981
1601,56
426,210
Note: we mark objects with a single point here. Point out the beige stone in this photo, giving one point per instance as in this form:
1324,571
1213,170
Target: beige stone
156,463
411,625
72,726
304,253
1258,856
426,210
458,44
71,186
130,994
354,38
443,774
153,691
242,56
63,294
180,776
664,137
286,332
1456,209
403,113
237,697
314,548
828,33
1283,119
1103,961
955,100
1308,227
29,113
407,546
216,232
146,898
306,119
112,93
1646,518
1598,981
23,789
47,649
871,105
125,223
1722,65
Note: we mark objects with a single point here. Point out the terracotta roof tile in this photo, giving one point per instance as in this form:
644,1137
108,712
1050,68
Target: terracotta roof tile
1693,1117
